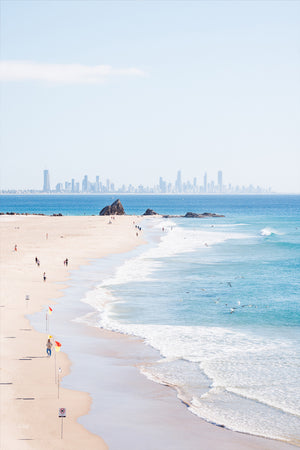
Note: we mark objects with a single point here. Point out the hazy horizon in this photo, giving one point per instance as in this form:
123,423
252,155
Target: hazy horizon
135,90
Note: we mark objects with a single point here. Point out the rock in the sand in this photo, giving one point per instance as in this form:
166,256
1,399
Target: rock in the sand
115,209
150,212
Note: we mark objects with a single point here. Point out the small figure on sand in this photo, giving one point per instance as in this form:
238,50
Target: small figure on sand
48,347
44,276
66,262
16,248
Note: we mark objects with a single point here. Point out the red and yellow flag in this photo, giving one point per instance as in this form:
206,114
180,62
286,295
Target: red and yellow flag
57,346
50,310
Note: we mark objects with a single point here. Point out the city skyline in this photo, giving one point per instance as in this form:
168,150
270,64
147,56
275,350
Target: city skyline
146,88
179,186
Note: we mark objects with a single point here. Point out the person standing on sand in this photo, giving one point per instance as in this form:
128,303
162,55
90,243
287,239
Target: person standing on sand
16,248
44,276
48,347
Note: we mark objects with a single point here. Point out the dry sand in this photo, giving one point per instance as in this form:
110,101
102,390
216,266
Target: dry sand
29,403
129,411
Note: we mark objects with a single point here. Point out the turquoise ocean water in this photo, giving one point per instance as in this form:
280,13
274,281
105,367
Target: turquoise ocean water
218,298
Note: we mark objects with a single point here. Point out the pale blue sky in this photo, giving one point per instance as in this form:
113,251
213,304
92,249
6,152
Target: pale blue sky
192,85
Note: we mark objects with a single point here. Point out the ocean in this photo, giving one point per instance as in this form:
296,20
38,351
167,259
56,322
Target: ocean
217,297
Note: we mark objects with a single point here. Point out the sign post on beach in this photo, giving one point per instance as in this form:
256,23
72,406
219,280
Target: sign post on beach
61,414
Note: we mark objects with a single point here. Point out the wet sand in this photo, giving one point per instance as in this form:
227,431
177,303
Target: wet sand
101,382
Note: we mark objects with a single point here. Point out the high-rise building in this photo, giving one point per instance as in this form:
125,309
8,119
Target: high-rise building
46,187
220,181
59,187
205,182
97,183
162,185
85,184
178,183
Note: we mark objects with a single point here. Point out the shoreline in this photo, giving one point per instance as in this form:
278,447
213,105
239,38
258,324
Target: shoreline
119,357
29,392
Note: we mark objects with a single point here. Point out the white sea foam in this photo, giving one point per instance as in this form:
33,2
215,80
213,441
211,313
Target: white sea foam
175,240
269,231
232,366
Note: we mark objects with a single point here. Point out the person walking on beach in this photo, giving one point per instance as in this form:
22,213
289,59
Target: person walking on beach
16,248
44,276
48,347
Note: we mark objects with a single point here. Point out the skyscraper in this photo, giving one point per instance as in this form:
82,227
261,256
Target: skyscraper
97,183
205,182
220,181
85,184
46,187
178,183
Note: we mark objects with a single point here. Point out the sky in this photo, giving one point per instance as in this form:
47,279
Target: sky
135,90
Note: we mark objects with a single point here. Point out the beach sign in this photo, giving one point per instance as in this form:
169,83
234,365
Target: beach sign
62,412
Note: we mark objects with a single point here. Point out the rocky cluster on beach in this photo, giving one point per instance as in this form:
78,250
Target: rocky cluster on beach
29,214
196,215
150,212
115,209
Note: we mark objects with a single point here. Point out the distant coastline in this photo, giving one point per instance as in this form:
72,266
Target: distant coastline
182,194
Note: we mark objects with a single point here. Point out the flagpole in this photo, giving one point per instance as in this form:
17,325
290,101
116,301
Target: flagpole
55,364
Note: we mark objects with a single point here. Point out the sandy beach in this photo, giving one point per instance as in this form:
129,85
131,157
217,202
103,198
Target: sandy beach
29,403
117,402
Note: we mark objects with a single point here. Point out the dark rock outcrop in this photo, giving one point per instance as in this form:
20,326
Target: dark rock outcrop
191,214
115,209
196,215
150,212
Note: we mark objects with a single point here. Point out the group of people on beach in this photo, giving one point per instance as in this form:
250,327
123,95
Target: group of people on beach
37,261
139,228
49,343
